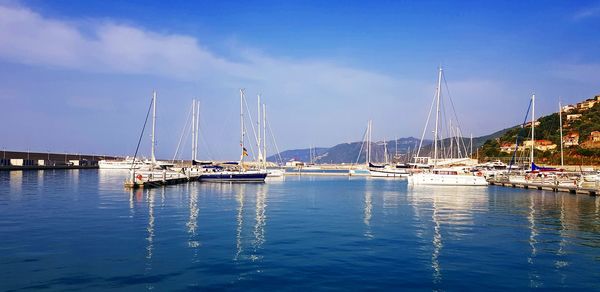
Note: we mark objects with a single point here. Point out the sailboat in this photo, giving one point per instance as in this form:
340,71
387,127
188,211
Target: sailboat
236,171
363,170
536,173
151,168
387,170
441,173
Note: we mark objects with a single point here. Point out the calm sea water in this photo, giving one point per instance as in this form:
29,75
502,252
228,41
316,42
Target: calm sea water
80,230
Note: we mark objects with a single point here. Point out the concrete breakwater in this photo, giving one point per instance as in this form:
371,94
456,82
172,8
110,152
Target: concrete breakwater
20,160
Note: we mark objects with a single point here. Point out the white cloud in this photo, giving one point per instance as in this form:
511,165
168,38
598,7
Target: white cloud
317,87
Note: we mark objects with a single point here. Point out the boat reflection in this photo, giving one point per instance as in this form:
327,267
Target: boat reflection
452,208
249,247
368,209
192,224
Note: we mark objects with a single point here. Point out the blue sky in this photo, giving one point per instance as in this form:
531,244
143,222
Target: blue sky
77,75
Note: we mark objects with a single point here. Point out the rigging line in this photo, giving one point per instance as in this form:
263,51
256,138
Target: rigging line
518,134
426,126
251,123
185,127
211,156
142,133
452,103
251,147
274,142
361,146
204,139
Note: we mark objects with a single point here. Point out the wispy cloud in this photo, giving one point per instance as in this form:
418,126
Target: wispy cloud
588,12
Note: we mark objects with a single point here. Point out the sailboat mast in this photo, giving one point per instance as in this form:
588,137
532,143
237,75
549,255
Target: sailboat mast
385,152
242,124
193,130
437,118
471,151
367,158
197,129
153,157
562,159
260,158
532,126
264,112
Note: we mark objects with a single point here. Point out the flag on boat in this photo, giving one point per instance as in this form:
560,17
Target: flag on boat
244,151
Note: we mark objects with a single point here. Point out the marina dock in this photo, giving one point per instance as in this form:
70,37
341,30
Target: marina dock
154,179
590,189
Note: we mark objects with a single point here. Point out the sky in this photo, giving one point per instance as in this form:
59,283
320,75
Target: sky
77,76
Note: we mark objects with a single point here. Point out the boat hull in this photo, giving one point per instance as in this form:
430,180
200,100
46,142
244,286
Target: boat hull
446,180
390,174
234,177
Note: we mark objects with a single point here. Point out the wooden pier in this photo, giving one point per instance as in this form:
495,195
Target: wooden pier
159,178
592,190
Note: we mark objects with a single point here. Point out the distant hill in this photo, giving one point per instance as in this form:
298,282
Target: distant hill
348,152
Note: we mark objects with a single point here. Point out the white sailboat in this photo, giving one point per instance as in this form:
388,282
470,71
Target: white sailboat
363,170
236,172
444,171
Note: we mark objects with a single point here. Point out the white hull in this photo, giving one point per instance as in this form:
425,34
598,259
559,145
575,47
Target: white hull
359,172
388,173
123,164
275,172
446,180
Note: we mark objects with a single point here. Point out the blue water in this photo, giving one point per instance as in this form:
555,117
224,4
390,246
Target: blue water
80,230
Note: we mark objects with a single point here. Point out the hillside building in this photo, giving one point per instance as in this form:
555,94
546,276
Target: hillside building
541,145
595,136
568,108
508,147
571,139
588,104
573,117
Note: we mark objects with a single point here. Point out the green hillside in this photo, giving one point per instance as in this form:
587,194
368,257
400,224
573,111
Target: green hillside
581,120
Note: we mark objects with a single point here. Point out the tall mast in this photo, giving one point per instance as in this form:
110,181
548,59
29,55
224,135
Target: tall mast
562,160
242,124
264,134
153,157
197,129
385,152
532,126
368,145
471,151
258,141
193,130
437,118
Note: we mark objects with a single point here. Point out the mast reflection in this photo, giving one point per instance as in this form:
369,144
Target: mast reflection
192,223
368,210
240,221
454,208
260,219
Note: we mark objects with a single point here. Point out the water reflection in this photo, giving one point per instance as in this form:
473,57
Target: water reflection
368,209
534,280
451,208
192,223
240,220
150,227
16,181
260,219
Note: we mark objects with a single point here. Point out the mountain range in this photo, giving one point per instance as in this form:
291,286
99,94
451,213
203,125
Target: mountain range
349,152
